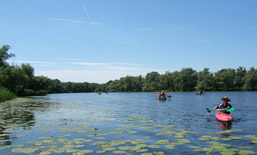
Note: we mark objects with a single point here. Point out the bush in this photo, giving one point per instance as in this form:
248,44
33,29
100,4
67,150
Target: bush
29,92
5,94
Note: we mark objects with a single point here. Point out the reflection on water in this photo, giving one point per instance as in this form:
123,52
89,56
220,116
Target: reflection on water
18,114
127,123
225,125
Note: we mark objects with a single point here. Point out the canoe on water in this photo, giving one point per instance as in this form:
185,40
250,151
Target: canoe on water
162,98
223,117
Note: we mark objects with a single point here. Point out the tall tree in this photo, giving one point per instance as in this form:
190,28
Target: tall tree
28,71
152,82
225,79
251,79
239,79
167,81
205,80
13,79
186,80
4,55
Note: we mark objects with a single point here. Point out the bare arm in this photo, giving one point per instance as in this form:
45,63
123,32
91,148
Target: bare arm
215,108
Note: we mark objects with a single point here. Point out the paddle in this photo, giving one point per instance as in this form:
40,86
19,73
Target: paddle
228,110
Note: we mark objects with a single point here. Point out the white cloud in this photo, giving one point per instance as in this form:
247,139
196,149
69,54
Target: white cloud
95,23
75,21
32,62
68,20
92,76
102,64
89,63
96,72
100,74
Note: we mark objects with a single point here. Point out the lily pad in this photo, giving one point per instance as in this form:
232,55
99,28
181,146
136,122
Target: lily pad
124,148
165,141
154,146
142,150
119,152
194,147
24,150
171,147
184,141
246,152
250,136
159,153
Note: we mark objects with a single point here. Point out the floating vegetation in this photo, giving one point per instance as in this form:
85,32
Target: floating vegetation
228,131
246,152
194,147
119,152
204,138
24,150
154,146
164,141
146,137
113,134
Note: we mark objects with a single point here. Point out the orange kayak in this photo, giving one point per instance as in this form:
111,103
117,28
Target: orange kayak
223,117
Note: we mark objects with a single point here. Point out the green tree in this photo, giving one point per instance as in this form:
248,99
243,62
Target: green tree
205,80
185,80
251,79
130,84
239,79
40,83
4,55
13,79
151,82
113,86
167,81
225,79
28,72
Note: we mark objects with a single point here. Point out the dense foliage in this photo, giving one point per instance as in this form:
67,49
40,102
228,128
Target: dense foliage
21,81
188,80
6,94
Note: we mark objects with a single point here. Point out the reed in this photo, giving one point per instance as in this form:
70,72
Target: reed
5,94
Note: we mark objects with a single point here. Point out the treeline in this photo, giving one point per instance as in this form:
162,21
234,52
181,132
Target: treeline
187,79
21,80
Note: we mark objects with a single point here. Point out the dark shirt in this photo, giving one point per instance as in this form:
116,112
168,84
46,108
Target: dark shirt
222,106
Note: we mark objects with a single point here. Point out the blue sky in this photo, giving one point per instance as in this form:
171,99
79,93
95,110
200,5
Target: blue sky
102,40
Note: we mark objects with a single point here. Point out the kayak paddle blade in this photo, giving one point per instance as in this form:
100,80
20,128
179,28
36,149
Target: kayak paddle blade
209,110
231,109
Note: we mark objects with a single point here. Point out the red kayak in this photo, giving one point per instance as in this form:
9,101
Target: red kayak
223,117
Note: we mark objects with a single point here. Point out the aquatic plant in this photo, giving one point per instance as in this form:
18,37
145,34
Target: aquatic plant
5,94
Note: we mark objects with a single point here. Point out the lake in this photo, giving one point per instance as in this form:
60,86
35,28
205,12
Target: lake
127,123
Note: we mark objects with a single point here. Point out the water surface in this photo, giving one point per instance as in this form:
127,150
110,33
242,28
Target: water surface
127,123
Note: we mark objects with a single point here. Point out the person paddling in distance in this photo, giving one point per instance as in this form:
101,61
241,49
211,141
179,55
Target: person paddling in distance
224,106
162,94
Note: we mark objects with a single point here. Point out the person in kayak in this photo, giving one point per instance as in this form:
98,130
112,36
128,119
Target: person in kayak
161,94
224,105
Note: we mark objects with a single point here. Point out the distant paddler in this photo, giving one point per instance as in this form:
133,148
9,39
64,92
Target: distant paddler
162,96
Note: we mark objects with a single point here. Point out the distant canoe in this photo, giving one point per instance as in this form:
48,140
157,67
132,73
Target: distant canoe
162,98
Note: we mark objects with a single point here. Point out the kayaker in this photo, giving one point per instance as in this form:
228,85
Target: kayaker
224,105
162,94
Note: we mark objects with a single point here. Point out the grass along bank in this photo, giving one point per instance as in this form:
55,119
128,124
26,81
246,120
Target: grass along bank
5,94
